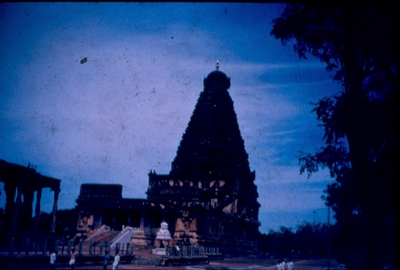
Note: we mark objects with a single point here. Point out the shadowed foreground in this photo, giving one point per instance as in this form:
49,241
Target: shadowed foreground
231,263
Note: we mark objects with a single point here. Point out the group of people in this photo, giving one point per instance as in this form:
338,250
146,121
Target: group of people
282,265
107,258
74,254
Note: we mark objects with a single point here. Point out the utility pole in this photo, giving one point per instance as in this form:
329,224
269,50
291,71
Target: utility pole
329,231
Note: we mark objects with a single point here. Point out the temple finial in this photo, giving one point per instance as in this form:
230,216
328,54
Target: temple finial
217,65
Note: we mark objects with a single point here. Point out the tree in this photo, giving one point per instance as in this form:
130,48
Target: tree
308,240
359,44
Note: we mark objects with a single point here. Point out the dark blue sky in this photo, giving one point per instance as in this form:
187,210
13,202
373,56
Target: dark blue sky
123,112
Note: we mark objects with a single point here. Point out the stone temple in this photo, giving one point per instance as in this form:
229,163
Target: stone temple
208,198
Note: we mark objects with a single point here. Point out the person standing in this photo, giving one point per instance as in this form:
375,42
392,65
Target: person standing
284,267
53,258
116,261
72,260
290,265
106,259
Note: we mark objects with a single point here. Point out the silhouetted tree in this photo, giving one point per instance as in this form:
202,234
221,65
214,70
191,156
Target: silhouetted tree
278,244
359,44
308,240
2,219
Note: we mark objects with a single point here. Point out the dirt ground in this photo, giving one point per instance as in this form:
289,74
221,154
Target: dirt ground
233,264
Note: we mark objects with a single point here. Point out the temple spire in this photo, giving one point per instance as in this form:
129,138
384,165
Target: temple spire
212,145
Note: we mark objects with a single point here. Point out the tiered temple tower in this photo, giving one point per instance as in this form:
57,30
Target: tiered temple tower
209,195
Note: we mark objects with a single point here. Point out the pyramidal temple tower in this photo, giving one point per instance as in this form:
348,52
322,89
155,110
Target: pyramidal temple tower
209,195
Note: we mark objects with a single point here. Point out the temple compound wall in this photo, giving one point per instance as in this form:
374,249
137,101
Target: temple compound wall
208,198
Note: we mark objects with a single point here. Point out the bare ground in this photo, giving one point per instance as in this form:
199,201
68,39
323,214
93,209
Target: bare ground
227,264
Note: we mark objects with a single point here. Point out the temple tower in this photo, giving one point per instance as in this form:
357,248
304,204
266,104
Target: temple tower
210,187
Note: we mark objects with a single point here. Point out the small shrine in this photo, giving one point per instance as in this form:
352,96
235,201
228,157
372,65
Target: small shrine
162,239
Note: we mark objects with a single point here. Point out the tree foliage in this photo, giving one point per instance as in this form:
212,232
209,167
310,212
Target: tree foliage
359,45
308,240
